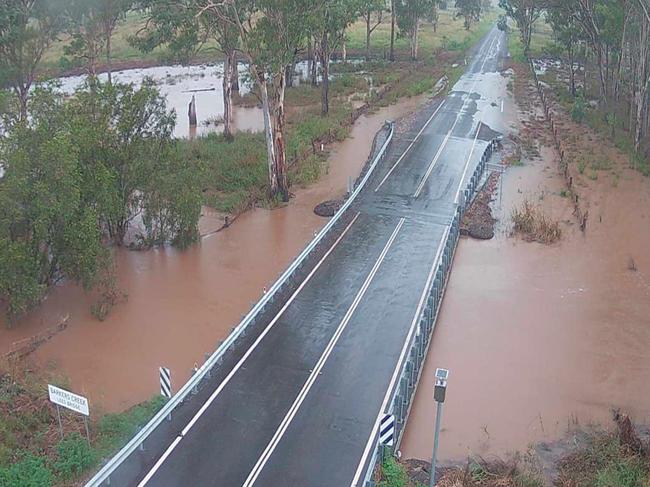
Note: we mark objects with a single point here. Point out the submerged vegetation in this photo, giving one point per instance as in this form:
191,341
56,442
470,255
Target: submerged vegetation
100,168
533,224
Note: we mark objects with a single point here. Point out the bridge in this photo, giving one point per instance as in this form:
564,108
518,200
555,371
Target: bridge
295,396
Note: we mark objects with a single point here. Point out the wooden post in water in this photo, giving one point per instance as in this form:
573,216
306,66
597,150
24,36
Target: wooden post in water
191,112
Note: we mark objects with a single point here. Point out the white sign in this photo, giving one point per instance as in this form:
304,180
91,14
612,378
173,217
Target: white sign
68,400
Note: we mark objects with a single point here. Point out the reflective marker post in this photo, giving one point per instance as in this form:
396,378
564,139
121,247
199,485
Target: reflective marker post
439,391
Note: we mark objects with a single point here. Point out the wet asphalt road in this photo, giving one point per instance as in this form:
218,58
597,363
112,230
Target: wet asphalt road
300,408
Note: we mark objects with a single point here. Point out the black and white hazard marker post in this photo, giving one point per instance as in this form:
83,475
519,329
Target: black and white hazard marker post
439,392
386,432
165,382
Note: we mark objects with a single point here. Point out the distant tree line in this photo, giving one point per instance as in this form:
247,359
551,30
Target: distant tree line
609,41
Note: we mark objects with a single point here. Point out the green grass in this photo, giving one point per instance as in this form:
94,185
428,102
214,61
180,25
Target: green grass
28,422
604,462
392,474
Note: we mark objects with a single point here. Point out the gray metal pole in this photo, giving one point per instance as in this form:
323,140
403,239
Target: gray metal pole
58,415
87,430
436,437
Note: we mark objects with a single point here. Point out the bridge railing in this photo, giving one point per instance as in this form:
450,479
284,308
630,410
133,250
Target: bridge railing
420,338
103,476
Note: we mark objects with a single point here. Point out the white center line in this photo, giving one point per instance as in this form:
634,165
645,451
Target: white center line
409,147
395,376
501,105
225,382
257,469
384,406
460,112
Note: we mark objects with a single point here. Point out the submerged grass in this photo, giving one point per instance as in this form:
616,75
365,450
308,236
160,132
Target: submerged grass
531,222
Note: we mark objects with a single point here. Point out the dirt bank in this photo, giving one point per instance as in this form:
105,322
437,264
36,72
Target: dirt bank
181,304
541,337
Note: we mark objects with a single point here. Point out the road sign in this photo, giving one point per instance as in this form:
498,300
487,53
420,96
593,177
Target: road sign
69,400
165,382
387,430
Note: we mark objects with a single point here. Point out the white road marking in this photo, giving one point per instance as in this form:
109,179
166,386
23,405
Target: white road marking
410,145
370,444
435,160
462,178
460,112
239,364
402,356
284,425
501,105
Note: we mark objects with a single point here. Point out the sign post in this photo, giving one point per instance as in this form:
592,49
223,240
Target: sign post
69,400
439,392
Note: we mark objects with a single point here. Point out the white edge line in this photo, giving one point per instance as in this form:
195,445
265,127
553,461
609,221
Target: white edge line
462,178
460,112
369,444
390,171
230,375
293,410
434,161
160,461
393,379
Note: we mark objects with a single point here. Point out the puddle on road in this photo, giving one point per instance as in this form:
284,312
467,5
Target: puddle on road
181,304
539,337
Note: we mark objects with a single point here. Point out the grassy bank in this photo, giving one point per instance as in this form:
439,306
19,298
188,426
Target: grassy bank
594,458
612,124
32,454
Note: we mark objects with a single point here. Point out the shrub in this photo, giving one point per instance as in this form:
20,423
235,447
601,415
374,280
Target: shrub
579,108
534,225
74,456
31,471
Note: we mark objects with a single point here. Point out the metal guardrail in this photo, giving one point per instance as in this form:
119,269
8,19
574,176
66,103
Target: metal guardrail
104,474
402,395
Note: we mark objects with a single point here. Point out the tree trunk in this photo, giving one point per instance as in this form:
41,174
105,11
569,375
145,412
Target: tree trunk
368,32
392,31
108,61
23,94
314,71
414,40
278,138
227,83
572,75
235,72
325,64
268,133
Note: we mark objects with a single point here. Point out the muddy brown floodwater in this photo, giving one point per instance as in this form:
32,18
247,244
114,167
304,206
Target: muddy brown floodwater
180,304
540,339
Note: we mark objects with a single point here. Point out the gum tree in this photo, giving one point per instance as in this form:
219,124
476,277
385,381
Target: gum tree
27,29
409,14
271,33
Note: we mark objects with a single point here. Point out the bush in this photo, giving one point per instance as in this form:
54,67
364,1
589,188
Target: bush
579,109
31,471
534,225
392,474
74,456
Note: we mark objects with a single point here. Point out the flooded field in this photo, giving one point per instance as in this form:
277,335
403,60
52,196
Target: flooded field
180,83
180,304
540,339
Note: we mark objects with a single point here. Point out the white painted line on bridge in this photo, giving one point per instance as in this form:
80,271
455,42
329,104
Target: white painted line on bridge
384,405
410,145
239,364
460,112
293,410
462,178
